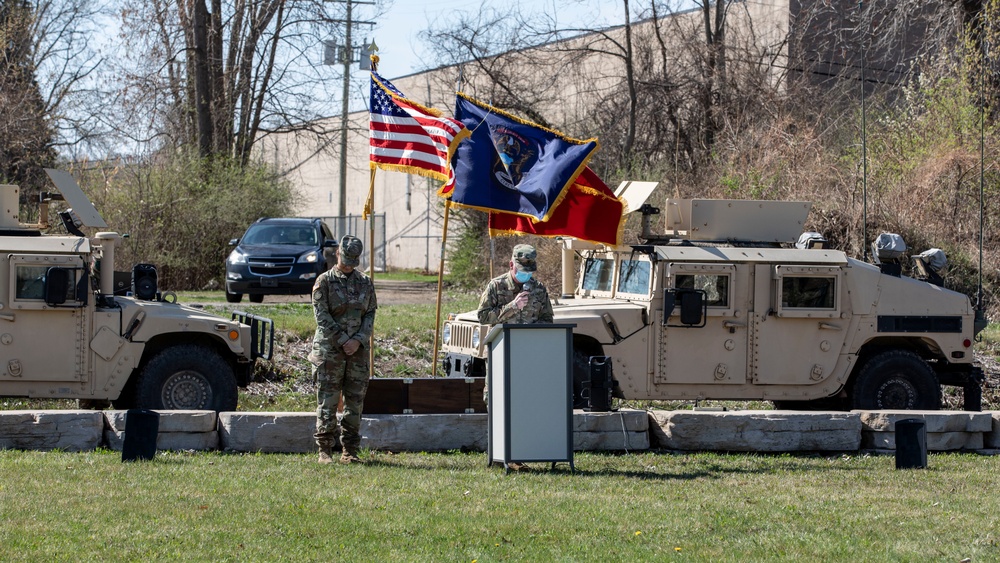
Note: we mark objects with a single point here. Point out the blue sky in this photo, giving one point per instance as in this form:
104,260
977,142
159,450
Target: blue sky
401,51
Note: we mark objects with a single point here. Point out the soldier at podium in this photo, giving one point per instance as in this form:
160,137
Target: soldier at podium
515,296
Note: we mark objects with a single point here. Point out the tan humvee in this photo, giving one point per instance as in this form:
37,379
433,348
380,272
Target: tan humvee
65,334
726,307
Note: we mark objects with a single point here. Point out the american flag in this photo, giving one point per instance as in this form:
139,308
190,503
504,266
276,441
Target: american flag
408,137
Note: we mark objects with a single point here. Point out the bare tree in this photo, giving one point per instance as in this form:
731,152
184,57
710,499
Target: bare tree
26,137
220,76
47,95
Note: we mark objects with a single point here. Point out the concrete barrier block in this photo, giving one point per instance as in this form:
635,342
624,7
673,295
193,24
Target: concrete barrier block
760,431
267,432
171,421
936,441
935,421
427,432
624,420
610,441
175,441
69,430
991,439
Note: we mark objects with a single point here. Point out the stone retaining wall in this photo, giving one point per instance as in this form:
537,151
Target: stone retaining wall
626,430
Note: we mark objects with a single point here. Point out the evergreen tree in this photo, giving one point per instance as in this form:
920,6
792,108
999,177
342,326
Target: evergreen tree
26,139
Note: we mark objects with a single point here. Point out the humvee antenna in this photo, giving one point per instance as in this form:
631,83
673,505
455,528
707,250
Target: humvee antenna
982,160
864,147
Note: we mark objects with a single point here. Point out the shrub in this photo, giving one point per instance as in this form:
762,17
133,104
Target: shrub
180,212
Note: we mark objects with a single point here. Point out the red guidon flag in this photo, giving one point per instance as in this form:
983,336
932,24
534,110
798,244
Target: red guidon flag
589,211
408,137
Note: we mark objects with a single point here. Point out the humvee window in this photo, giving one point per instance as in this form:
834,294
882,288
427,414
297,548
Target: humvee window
634,277
716,287
597,273
30,283
808,292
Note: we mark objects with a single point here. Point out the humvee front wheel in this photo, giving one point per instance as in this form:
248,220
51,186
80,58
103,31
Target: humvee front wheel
187,377
896,379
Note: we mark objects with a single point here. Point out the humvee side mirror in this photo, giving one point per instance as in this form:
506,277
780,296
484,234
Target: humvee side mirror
692,304
56,285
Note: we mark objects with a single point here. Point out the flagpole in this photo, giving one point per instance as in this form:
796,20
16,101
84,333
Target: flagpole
369,209
370,213
437,321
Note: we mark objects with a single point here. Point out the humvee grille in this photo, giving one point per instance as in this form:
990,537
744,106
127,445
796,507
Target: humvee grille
461,335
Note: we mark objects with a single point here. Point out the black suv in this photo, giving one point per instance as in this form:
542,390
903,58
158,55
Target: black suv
277,257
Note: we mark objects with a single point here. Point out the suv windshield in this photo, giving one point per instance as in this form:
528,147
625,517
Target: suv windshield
281,234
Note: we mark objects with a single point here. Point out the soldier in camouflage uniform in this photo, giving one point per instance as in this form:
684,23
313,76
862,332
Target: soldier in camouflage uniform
515,297
344,304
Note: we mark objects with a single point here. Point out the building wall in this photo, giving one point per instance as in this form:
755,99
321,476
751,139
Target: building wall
413,211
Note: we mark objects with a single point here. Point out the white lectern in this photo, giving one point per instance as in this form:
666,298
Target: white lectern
530,381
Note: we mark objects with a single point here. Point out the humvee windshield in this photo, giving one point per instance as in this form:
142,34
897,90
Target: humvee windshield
597,274
634,276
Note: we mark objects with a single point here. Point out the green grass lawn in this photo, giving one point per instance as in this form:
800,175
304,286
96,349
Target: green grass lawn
451,507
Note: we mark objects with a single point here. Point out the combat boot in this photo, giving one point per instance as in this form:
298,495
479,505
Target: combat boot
326,455
349,457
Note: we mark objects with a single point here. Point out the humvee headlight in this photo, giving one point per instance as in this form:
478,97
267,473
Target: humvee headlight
475,337
446,334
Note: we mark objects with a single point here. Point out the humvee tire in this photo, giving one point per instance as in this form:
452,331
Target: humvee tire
187,377
233,297
896,379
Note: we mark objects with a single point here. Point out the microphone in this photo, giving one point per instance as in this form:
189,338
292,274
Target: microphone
529,285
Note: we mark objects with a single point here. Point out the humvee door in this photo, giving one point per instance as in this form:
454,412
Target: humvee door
43,335
797,339
713,350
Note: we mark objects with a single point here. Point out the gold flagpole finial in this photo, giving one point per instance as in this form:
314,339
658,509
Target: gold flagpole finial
373,48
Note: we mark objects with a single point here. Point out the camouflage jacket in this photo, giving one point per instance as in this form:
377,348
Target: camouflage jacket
495,305
344,305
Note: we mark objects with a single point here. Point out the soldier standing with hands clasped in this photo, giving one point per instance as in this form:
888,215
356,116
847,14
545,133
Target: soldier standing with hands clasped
344,303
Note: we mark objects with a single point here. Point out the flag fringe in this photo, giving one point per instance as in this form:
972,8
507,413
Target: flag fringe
523,121
619,231
408,170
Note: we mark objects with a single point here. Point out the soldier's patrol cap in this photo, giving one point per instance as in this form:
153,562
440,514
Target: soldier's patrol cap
524,258
351,248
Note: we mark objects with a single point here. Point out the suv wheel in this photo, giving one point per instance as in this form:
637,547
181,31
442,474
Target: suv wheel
233,297
256,298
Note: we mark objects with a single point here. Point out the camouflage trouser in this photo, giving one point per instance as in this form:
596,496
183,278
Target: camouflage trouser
348,375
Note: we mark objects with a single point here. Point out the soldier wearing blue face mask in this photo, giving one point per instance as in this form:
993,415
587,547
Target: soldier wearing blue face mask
515,296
